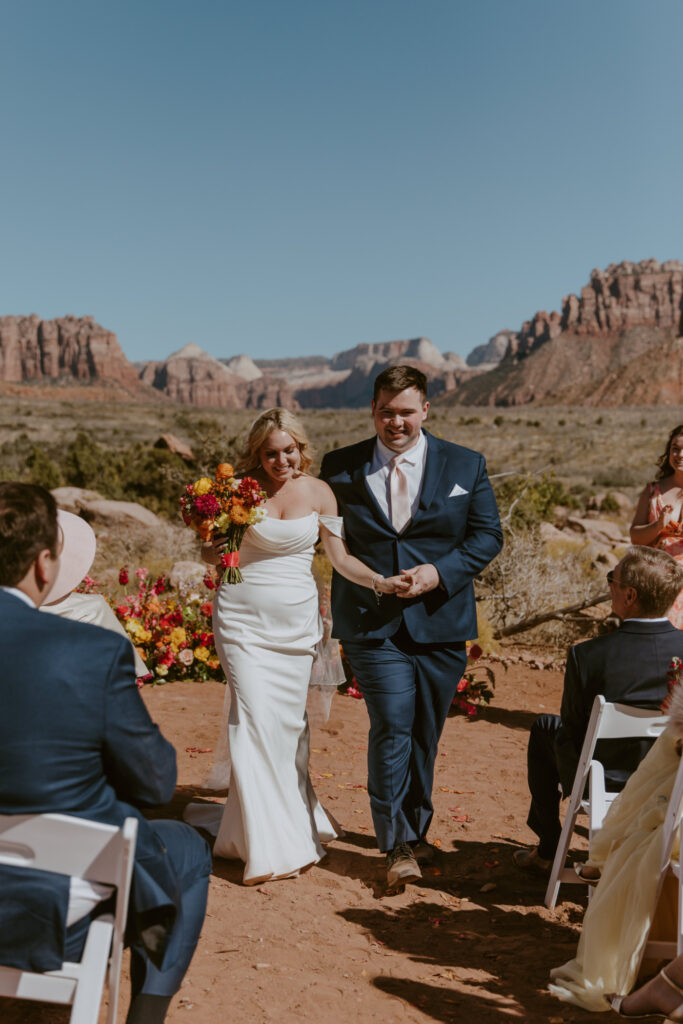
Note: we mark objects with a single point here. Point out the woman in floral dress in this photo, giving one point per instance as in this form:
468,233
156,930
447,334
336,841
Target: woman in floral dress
658,520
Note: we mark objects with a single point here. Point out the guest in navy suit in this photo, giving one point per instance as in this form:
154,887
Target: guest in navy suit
632,665
76,738
422,507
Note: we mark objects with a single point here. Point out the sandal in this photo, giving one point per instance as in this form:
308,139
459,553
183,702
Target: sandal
578,868
673,1016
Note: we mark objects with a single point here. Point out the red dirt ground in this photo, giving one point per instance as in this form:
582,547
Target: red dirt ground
472,942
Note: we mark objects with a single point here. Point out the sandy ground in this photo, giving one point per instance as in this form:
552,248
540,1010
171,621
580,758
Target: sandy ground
472,942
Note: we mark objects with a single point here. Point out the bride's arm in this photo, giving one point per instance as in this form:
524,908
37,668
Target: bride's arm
346,563
211,551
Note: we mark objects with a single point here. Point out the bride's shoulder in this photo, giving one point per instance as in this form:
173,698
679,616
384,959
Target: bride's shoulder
321,494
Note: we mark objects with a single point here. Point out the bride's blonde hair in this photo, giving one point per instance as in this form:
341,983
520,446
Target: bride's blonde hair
262,428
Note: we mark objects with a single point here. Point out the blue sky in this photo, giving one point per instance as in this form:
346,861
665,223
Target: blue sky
291,177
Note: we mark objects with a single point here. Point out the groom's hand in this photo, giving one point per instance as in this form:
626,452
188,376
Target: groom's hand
420,579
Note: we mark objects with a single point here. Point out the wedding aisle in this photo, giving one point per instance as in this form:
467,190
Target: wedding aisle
471,943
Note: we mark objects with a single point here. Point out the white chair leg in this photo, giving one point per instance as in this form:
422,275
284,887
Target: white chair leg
86,1006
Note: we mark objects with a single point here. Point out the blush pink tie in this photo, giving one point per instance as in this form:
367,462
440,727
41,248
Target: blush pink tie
400,499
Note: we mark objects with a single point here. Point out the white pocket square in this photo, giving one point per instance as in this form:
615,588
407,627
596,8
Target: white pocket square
457,490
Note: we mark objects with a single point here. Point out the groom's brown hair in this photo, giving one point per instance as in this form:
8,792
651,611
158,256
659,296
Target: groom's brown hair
28,525
398,378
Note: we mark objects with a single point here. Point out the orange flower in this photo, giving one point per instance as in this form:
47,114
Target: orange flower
239,515
206,529
224,471
213,663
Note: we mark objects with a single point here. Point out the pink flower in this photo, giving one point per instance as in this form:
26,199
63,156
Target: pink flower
353,691
186,656
123,575
462,685
142,574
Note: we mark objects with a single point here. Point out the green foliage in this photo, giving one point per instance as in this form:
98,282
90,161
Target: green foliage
524,501
43,470
609,503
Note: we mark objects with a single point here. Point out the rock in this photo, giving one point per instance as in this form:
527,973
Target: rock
112,512
74,499
67,348
175,445
193,377
244,367
187,574
492,352
604,531
605,347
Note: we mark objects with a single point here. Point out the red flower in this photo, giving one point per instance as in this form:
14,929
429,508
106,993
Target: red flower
167,658
206,608
207,505
462,685
123,576
122,610
160,585
475,652
209,581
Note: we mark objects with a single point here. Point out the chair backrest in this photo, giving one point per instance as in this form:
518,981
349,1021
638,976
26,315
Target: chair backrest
622,721
63,844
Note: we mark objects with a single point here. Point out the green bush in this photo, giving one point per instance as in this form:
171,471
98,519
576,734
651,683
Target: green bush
525,501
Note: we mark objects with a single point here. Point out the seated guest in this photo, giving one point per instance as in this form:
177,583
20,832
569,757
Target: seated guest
626,855
76,738
79,545
629,666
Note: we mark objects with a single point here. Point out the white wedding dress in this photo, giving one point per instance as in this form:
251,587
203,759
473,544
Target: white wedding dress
266,630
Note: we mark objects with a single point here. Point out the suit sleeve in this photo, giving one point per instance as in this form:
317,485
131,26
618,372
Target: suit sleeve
139,763
572,731
483,538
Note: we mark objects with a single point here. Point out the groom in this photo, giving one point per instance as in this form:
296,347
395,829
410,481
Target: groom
422,507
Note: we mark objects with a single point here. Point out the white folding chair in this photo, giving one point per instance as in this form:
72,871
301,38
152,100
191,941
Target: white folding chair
607,722
658,949
82,849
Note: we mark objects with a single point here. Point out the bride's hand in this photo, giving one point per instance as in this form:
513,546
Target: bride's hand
213,549
392,585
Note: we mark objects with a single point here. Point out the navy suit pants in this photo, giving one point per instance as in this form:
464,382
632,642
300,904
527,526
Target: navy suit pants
408,689
191,858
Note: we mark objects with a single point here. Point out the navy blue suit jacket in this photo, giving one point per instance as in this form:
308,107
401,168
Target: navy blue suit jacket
459,534
76,738
629,666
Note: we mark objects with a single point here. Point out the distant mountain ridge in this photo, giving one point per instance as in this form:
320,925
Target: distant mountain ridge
618,342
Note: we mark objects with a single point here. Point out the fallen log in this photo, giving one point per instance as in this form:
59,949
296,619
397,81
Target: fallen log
556,613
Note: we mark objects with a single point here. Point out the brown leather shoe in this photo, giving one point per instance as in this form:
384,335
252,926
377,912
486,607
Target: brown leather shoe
528,860
401,866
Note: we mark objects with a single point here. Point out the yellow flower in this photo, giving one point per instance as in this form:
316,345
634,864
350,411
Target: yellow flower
161,670
134,627
222,521
177,637
203,485
239,514
201,653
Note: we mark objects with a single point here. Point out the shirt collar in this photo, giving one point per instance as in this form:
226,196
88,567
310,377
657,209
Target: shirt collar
15,592
412,455
660,618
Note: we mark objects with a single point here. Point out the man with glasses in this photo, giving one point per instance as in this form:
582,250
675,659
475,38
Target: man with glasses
633,665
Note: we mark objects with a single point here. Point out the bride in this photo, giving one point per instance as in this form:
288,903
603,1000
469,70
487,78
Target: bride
266,630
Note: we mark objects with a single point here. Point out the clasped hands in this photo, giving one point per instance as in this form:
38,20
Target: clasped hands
412,582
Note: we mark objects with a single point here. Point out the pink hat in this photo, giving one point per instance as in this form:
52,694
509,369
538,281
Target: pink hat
78,547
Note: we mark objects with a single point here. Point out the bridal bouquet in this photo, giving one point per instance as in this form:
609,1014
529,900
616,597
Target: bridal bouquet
224,507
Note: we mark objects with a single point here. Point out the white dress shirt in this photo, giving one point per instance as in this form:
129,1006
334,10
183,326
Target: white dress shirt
83,895
412,465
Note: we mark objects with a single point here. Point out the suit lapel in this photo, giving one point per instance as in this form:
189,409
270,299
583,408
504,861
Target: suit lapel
360,475
434,467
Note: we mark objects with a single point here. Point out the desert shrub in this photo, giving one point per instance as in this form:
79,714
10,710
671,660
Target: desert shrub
609,503
43,470
525,501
